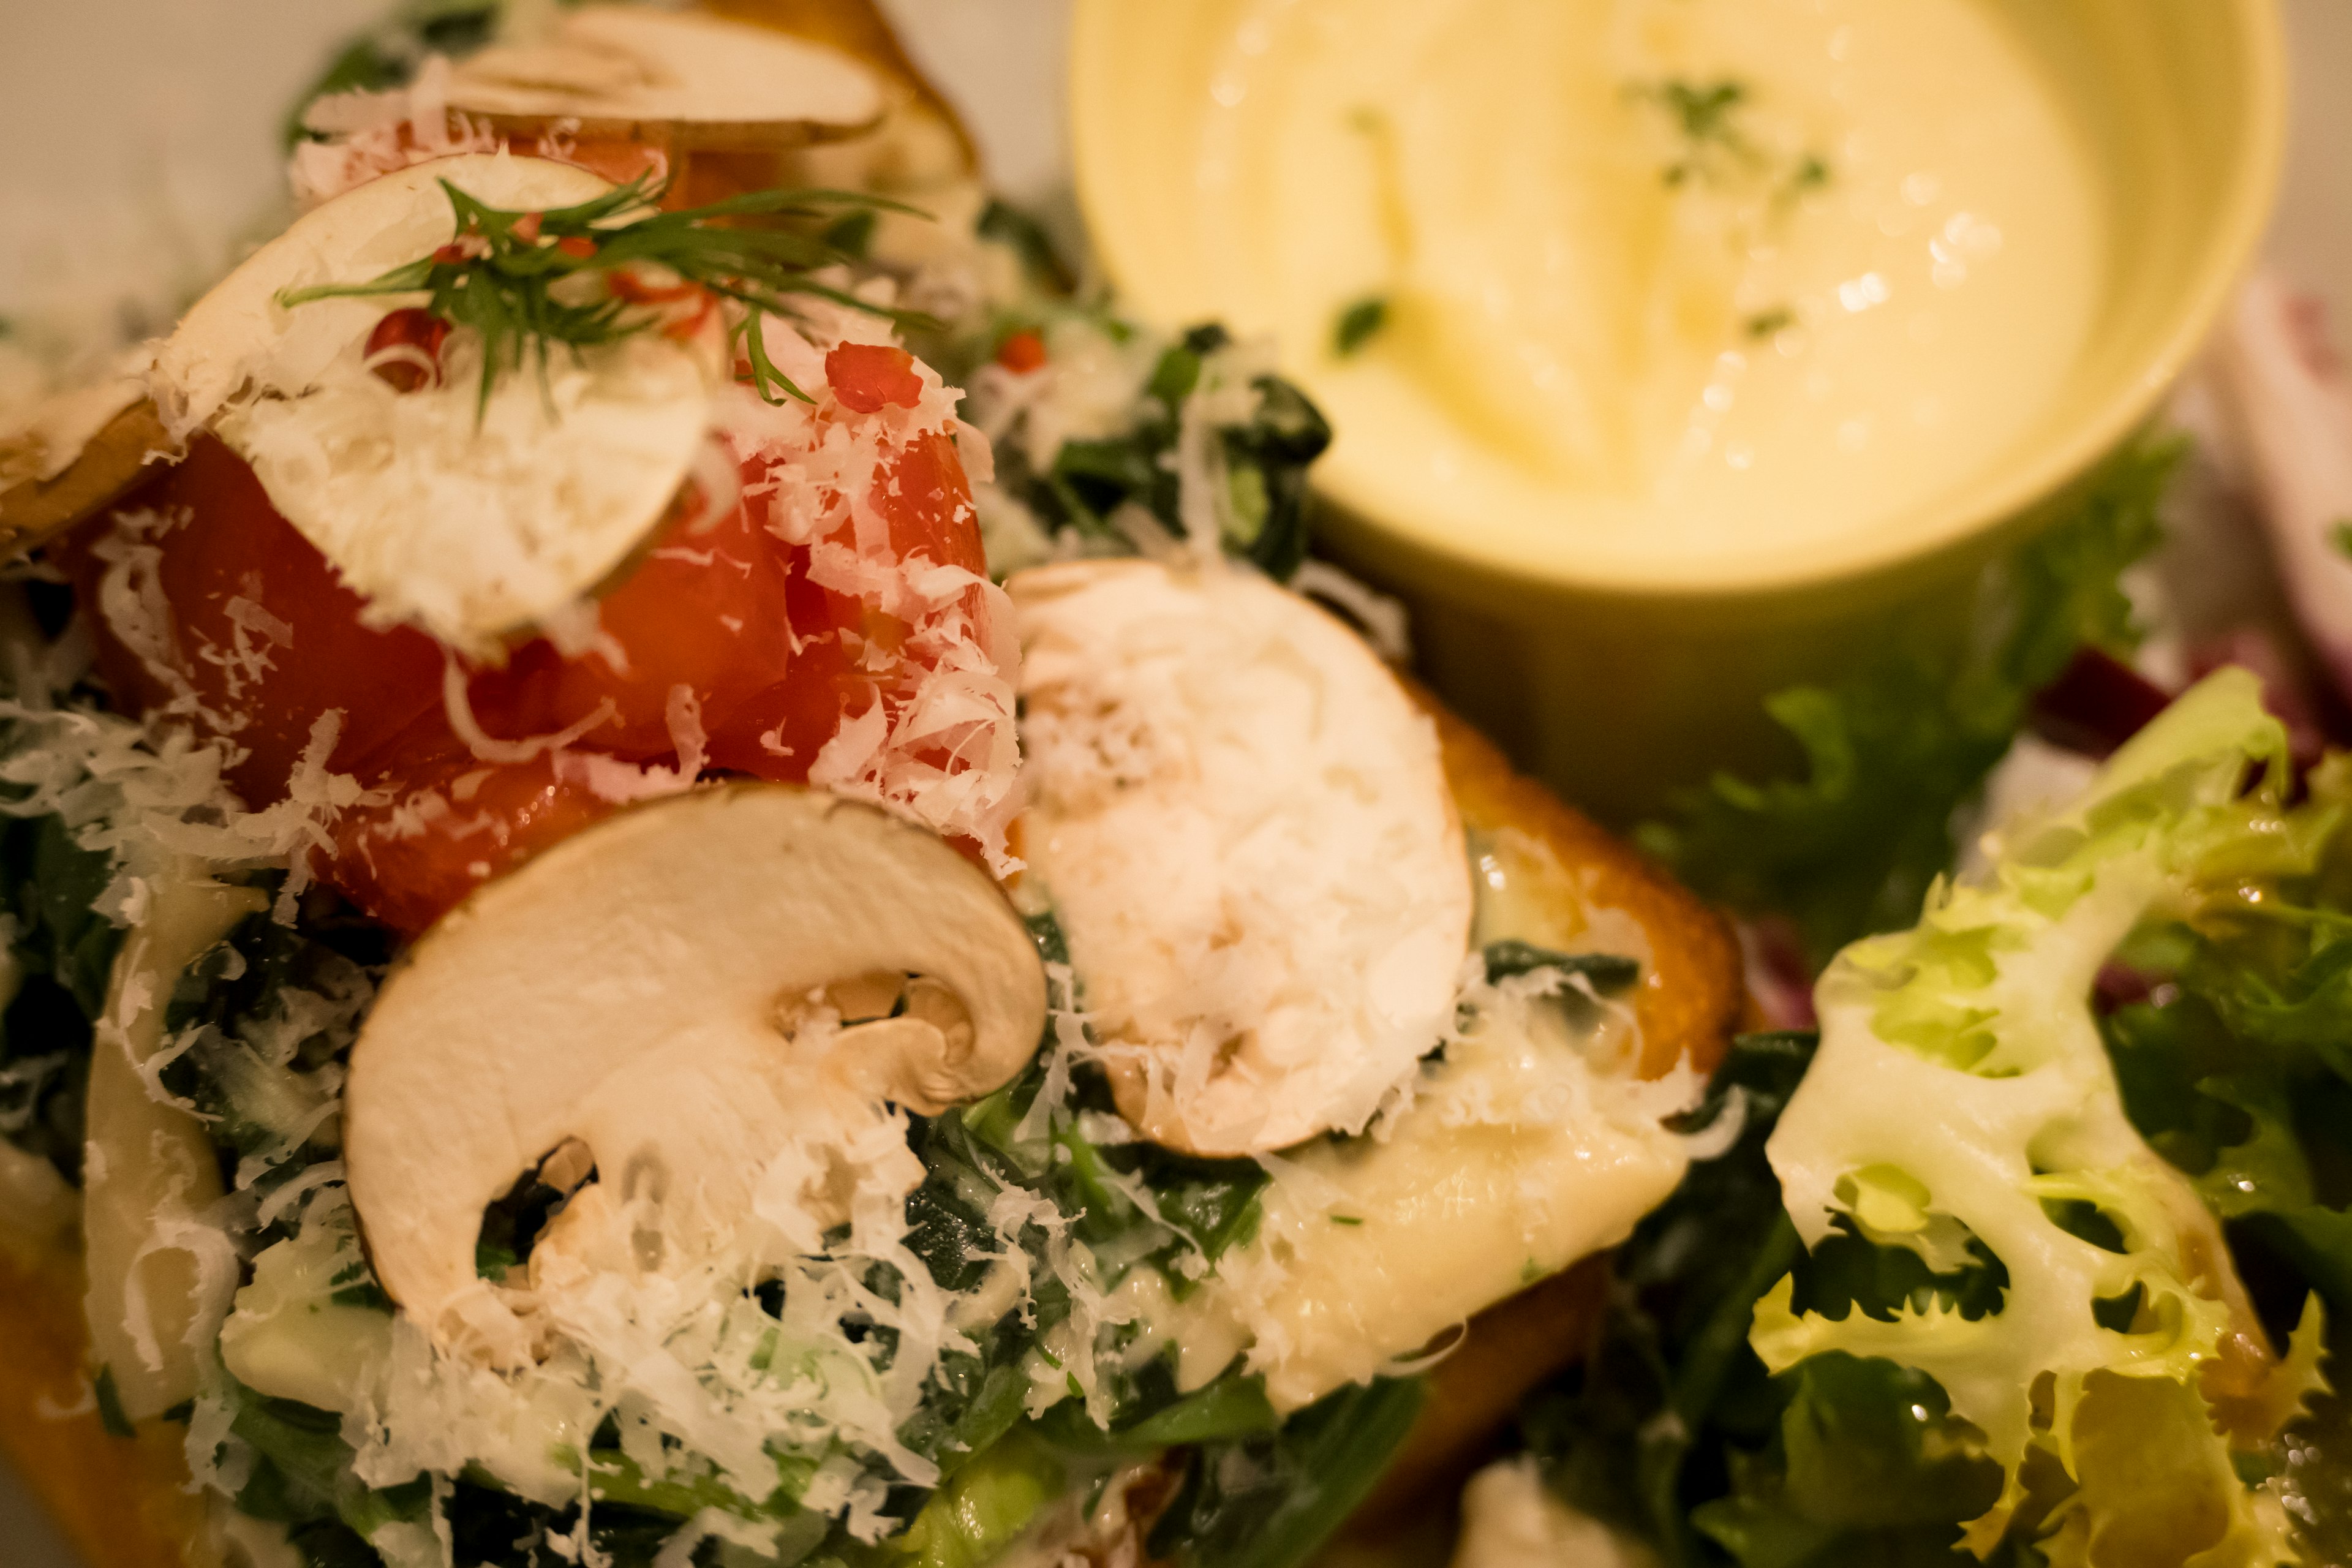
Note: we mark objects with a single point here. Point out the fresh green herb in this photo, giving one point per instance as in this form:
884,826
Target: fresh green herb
1701,115
523,283
2340,535
1346,1219
63,953
852,234
1359,324
1767,323
1672,1429
1894,749
1812,173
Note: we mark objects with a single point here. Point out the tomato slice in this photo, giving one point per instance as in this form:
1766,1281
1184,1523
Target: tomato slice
259,637
720,638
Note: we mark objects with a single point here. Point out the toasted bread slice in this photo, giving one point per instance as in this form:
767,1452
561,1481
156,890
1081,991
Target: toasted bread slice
1579,882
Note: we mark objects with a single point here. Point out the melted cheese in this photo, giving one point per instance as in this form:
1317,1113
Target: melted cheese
1532,1145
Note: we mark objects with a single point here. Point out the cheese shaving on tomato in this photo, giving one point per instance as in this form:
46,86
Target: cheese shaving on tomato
936,739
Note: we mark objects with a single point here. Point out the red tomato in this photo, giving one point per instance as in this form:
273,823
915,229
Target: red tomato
453,823
866,376
263,636
704,609
925,498
1022,352
727,611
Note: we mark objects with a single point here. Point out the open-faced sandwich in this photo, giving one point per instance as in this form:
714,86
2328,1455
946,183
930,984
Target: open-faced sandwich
640,934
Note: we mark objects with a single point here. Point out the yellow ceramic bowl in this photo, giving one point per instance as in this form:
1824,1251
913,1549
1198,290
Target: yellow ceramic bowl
1619,685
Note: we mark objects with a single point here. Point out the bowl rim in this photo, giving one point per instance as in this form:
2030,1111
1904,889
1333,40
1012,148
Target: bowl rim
1987,506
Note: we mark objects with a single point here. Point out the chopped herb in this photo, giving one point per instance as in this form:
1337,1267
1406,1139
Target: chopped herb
1359,324
1346,1219
2340,535
1701,113
1812,172
504,273
1766,323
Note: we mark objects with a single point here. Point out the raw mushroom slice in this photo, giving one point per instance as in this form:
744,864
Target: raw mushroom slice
1241,820
476,522
657,988
633,73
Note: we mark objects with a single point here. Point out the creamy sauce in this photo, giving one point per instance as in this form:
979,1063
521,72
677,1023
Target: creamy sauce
1661,278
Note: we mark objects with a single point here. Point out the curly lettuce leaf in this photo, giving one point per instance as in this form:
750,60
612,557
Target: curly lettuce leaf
1892,751
1962,1088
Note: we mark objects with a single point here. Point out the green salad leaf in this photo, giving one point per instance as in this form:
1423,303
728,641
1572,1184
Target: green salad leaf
1982,1012
1893,750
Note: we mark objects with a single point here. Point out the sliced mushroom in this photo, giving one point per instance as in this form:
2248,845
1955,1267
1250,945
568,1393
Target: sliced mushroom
1242,822
630,72
476,522
653,989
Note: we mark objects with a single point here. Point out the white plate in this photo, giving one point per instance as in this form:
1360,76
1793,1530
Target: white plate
142,139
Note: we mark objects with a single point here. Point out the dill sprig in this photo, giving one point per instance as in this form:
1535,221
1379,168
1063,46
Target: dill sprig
502,274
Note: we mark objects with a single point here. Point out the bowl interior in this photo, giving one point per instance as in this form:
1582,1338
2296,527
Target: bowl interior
2180,102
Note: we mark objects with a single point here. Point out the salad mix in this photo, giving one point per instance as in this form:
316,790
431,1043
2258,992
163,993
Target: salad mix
2022,1237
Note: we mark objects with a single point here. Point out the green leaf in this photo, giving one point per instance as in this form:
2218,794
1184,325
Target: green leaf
980,1511
1270,1501
1850,843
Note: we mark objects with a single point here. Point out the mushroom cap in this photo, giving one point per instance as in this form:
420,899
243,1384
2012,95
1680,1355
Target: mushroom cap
645,988
632,72
474,523
1243,824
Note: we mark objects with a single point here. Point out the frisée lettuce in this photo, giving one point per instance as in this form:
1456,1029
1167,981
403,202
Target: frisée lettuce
1962,1093
2037,1256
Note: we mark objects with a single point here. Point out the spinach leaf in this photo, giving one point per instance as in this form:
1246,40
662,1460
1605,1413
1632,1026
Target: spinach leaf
1269,1500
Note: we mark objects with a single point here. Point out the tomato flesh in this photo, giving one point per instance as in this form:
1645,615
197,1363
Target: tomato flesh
717,637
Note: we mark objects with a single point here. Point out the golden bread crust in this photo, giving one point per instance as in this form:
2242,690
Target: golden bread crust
1690,996
119,1500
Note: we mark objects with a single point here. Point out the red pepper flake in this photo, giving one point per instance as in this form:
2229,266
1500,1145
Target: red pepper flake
526,227
865,376
405,350
451,254
578,247
1022,352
